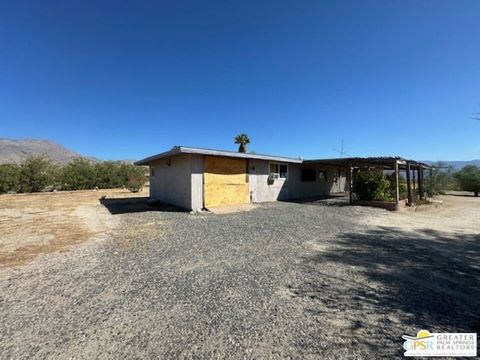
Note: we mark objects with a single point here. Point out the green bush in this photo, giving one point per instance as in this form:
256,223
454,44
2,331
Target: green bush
402,187
136,179
78,174
9,178
36,174
108,175
469,179
82,173
39,173
371,185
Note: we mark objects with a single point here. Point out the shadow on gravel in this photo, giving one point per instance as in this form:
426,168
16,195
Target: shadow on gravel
426,279
327,200
135,205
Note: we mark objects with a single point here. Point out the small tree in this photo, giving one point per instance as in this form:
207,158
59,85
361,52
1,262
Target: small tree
469,179
36,173
242,140
9,178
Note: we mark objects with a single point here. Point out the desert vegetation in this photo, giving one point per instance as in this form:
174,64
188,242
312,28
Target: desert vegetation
39,173
378,186
468,179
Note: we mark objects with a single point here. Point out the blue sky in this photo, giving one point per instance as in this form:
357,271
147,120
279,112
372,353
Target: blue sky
128,79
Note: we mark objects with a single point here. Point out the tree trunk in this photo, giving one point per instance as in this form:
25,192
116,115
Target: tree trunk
476,193
241,148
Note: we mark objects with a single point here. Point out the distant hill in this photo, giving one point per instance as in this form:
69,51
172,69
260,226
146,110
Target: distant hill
17,150
456,165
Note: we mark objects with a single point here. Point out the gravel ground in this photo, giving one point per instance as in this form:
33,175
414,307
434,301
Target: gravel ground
283,280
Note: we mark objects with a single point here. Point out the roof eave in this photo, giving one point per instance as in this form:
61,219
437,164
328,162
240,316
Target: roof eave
174,151
210,152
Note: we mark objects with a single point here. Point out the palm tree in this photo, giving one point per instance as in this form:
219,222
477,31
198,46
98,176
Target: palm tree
243,140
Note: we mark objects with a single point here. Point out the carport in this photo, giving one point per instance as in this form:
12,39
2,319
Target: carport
413,171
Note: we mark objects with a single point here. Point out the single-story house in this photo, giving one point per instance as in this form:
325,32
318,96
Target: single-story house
196,178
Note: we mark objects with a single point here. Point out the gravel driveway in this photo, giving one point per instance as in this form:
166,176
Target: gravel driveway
283,280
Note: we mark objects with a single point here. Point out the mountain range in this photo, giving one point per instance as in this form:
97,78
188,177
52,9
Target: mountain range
455,165
17,150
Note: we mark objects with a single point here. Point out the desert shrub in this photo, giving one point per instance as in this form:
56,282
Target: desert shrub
36,174
371,185
439,179
469,179
136,179
78,174
131,176
108,175
9,178
39,173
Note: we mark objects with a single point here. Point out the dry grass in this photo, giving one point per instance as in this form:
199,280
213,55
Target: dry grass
40,223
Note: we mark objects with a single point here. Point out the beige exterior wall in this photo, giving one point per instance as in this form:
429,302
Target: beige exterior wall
293,187
178,181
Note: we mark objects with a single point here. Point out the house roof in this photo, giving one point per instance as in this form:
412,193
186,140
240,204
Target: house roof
347,161
176,150
378,160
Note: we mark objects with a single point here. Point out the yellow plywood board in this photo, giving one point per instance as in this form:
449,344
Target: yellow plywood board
225,182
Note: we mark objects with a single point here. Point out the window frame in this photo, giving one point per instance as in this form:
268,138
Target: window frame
277,164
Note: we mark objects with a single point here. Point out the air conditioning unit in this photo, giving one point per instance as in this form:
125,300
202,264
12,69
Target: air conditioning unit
273,176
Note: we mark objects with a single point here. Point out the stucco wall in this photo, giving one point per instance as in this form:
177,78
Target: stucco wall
178,180
171,182
292,187
197,181
263,191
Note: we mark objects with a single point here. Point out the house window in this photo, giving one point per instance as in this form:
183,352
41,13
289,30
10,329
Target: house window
278,171
273,168
308,175
152,171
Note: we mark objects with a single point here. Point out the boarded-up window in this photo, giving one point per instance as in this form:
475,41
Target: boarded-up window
308,175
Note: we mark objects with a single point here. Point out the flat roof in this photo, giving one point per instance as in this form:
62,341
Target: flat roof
346,161
377,160
176,150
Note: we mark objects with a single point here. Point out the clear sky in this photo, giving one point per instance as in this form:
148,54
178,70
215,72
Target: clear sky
126,79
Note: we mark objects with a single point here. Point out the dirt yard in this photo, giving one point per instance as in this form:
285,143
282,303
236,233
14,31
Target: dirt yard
42,223
82,277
